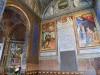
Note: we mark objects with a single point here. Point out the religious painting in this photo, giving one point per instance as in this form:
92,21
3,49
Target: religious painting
82,3
48,36
65,30
2,6
86,28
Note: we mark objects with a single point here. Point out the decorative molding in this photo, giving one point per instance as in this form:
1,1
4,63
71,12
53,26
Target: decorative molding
58,12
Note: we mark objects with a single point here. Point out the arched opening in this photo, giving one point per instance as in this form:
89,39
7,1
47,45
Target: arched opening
15,27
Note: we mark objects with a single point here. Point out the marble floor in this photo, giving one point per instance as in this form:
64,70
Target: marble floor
91,66
87,66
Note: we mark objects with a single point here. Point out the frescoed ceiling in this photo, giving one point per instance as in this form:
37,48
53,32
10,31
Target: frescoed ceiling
38,6
46,8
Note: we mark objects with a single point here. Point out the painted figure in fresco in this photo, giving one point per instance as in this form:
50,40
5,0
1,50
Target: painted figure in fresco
81,3
48,36
43,35
47,40
86,28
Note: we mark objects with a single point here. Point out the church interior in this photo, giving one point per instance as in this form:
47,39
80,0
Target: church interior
49,37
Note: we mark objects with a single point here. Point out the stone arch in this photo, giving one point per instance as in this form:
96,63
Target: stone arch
19,8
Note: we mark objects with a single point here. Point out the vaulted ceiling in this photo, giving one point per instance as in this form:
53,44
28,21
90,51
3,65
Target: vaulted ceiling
44,3
37,6
40,6
12,21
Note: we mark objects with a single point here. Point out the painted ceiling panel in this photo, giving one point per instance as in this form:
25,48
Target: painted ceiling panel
47,8
37,5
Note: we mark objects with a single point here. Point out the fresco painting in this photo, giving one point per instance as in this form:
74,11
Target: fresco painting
87,30
48,39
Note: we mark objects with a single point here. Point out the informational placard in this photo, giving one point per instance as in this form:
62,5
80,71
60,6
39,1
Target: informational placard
66,37
1,49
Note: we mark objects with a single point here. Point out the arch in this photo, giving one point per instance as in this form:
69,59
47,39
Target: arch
21,10
16,5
